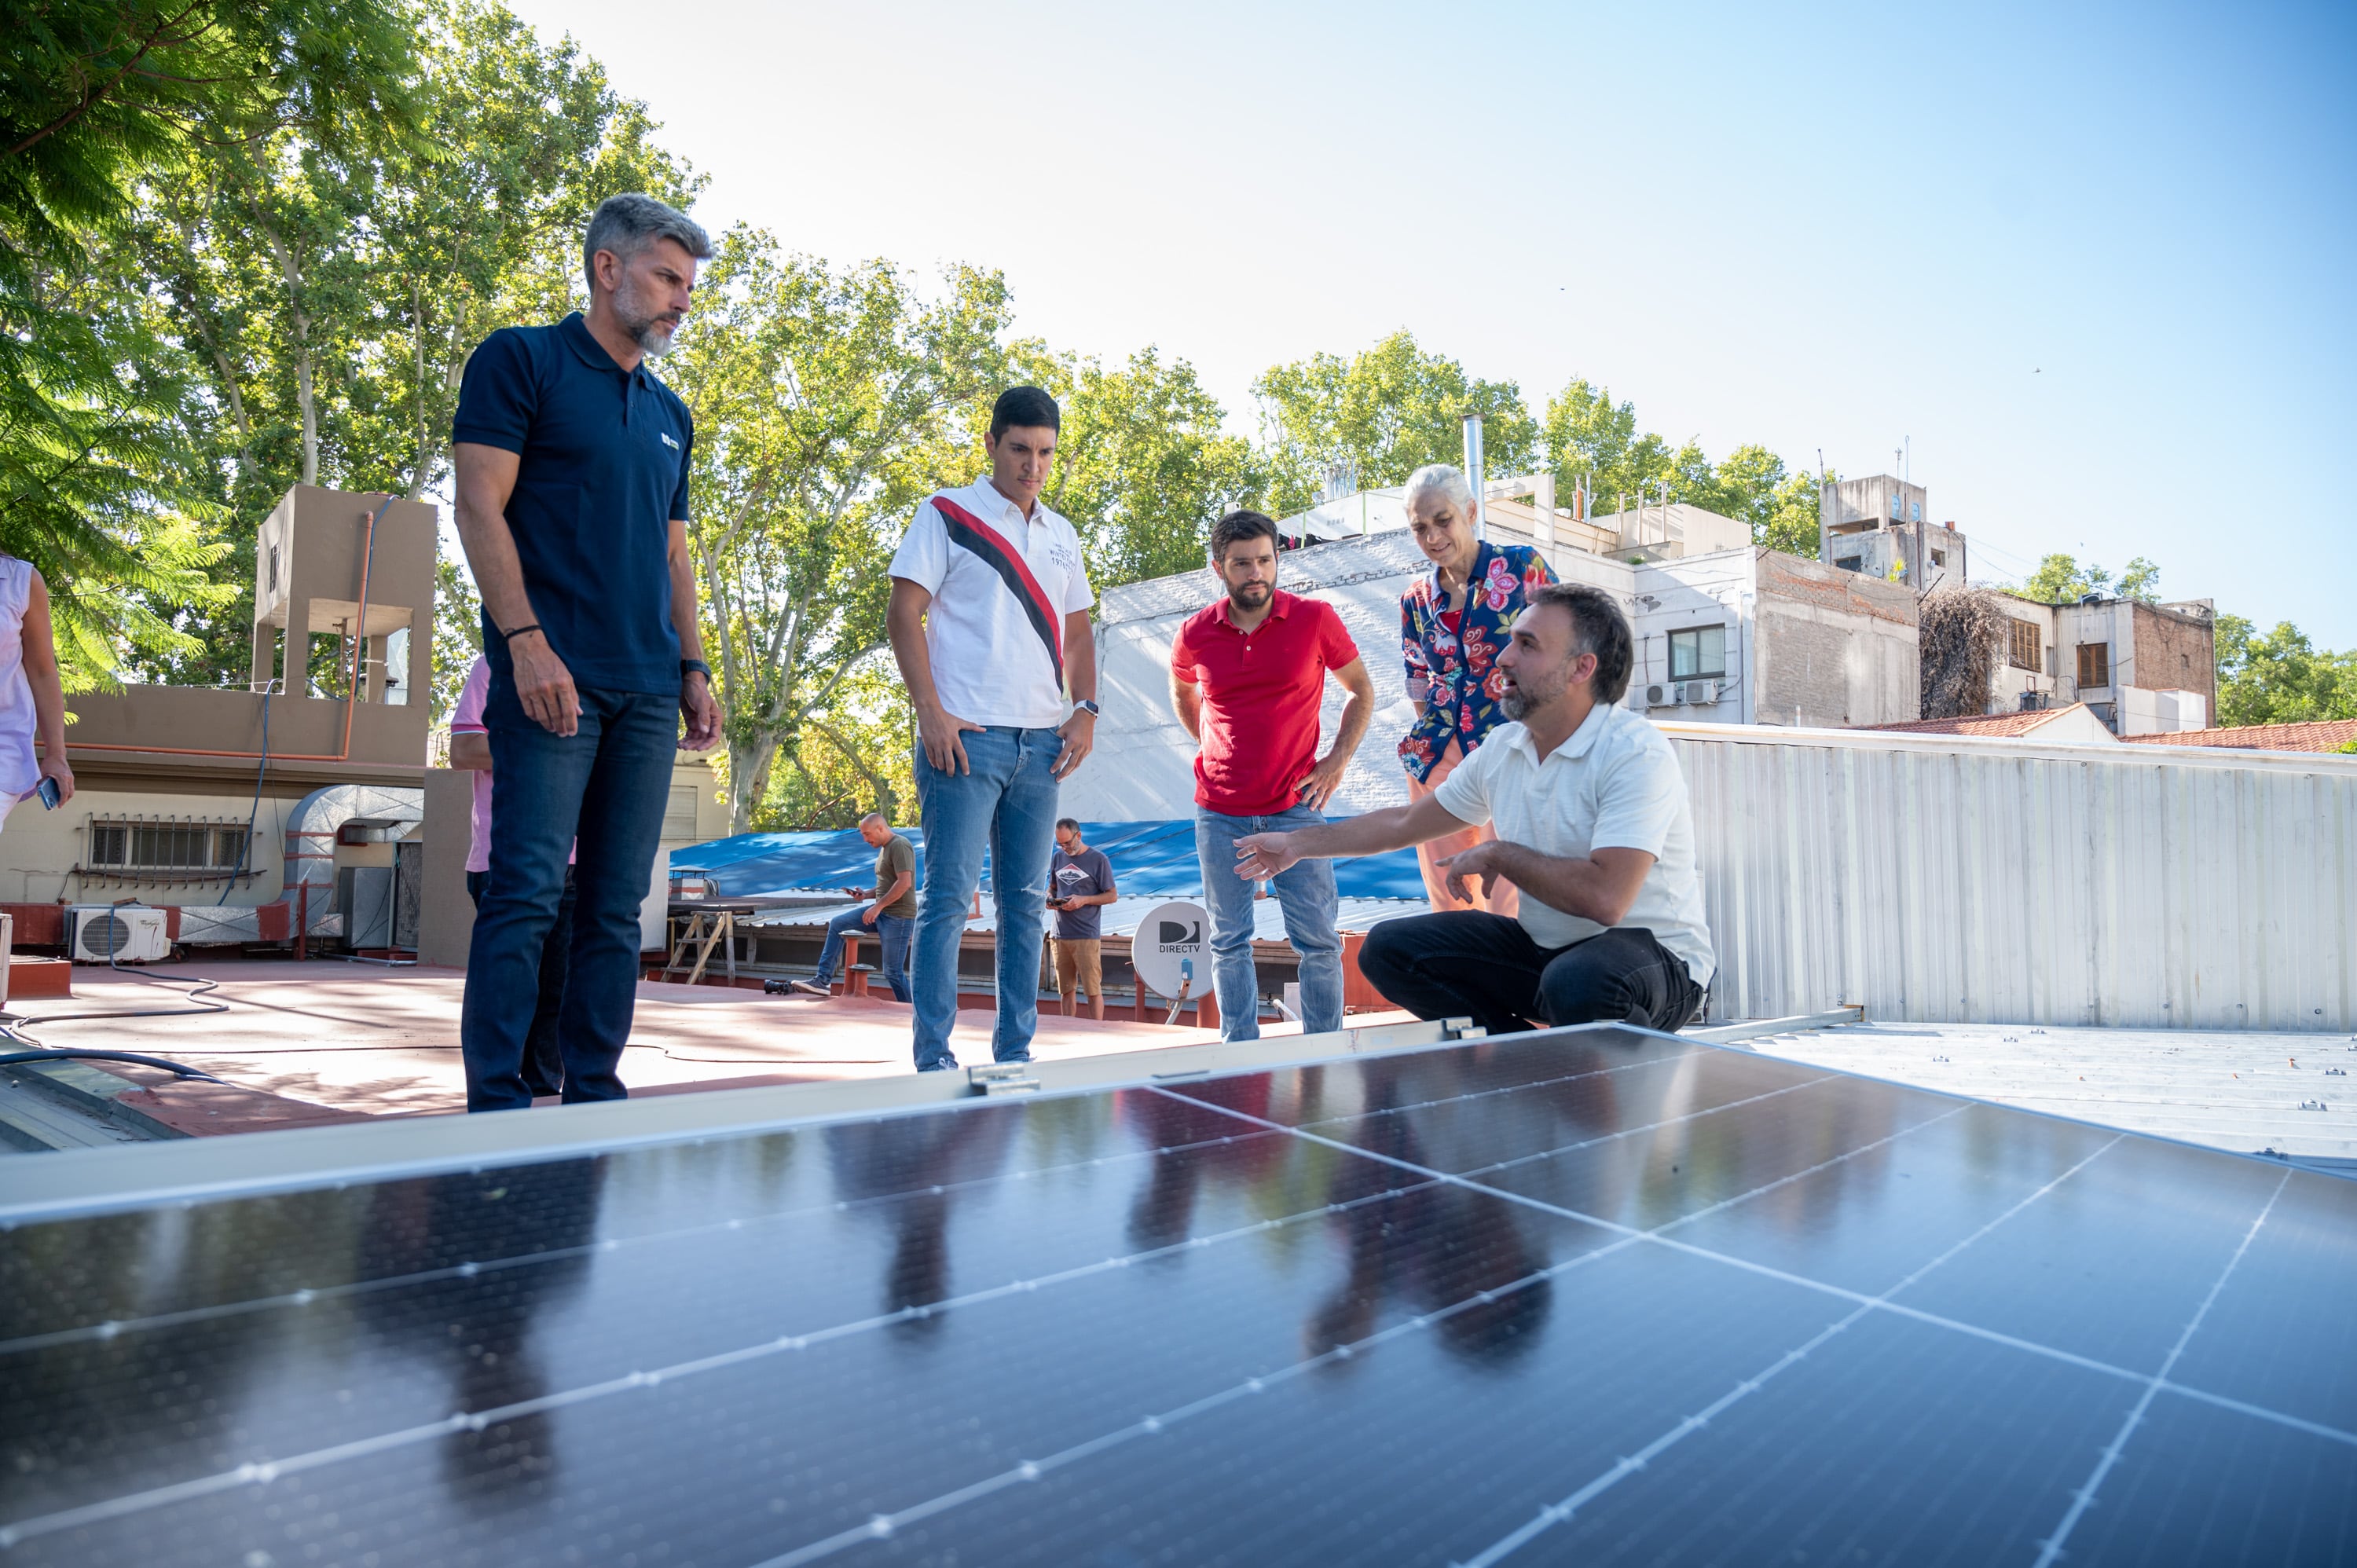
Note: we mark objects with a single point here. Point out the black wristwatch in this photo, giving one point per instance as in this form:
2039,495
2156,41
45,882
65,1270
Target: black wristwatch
1089,705
695,667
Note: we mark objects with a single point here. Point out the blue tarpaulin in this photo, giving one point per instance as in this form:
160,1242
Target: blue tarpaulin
1150,859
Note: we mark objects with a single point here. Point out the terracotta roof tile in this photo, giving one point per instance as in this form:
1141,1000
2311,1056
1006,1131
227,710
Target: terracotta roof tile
2321,735
1979,724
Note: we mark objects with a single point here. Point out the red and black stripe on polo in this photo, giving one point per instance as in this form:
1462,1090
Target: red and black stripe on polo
997,552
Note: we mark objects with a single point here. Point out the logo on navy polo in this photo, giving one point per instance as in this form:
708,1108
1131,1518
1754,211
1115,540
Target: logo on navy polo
669,442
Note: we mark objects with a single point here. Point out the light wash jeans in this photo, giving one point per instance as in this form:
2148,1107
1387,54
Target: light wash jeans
1005,805
1306,895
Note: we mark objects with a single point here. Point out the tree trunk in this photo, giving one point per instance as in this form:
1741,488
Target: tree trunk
296,316
417,351
237,413
748,779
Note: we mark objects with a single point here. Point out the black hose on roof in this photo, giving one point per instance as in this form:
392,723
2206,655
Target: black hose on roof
47,1054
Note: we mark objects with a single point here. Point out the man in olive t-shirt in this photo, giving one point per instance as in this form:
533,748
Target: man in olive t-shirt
890,915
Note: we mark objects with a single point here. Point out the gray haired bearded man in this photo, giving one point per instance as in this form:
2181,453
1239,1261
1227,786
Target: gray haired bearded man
571,466
1593,826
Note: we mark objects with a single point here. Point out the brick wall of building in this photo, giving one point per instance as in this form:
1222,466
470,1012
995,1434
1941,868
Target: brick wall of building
2175,652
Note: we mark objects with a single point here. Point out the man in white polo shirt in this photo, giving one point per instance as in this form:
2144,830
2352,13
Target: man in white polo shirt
1593,829
989,621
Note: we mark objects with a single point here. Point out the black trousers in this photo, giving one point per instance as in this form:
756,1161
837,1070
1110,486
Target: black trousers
1467,964
543,1061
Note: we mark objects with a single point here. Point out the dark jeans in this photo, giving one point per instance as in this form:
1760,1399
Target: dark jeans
603,788
1472,964
544,1067
891,934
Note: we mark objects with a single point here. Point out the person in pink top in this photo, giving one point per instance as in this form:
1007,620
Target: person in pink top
470,748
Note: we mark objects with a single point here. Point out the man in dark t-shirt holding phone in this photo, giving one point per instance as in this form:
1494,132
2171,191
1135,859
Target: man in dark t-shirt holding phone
1079,882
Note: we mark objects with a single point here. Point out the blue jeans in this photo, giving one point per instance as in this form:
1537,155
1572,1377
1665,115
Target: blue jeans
891,931
543,1064
1306,894
603,788
1006,805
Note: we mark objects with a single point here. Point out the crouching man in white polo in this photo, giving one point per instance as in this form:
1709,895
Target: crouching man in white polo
1593,827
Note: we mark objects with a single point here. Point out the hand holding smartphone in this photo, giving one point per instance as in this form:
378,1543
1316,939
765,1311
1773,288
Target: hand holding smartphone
48,794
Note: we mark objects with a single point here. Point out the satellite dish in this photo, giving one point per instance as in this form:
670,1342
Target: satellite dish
1171,952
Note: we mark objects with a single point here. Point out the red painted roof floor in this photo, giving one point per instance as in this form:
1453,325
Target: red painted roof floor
326,1040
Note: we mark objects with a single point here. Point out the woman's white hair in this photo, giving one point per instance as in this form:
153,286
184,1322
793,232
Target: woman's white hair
1449,481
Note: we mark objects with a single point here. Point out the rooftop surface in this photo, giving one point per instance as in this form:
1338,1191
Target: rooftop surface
2242,1092
327,1039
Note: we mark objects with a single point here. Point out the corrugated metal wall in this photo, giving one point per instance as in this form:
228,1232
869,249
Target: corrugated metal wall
2003,882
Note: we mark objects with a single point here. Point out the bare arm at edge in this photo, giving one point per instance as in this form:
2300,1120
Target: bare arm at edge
485,478
695,690
1263,856
1080,731
39,642
937,728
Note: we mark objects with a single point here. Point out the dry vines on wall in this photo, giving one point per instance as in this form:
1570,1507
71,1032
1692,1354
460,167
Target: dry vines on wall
1962,632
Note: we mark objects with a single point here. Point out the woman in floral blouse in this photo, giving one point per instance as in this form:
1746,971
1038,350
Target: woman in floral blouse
1452,625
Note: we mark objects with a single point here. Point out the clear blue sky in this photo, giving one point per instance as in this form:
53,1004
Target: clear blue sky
2096,263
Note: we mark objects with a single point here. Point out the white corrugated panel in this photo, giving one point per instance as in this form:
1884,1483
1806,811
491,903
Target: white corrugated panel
1950,880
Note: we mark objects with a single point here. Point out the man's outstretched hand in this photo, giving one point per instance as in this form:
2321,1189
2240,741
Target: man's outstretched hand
1263,856
1484,861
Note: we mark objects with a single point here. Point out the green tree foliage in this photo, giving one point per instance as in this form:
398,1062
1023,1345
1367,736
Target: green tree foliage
854,758
1143,467
2140,581
326,293
828,403
2061,580
1387,410
458,632
2280,677
99,455
1594,440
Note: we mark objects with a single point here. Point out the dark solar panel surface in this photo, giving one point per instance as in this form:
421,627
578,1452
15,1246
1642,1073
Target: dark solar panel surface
1595,1297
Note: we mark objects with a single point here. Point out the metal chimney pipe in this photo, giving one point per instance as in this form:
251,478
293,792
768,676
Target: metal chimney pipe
1473,474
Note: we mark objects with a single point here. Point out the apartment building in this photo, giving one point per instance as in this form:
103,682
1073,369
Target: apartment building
2141,668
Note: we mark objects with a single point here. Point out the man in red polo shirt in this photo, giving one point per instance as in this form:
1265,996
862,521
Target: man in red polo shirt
1247,676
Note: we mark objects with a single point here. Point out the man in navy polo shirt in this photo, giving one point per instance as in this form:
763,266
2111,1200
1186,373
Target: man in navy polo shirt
572,489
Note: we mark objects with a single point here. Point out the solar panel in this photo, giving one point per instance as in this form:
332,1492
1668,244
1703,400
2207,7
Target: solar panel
1589,1295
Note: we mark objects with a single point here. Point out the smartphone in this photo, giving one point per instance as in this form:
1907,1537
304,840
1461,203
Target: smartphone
49,794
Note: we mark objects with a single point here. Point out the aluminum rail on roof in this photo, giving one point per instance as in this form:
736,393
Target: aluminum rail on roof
1940,879
100,1180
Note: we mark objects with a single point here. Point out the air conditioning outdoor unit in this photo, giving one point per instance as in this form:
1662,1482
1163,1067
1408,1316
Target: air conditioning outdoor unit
1695,693
1658,696
112,934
